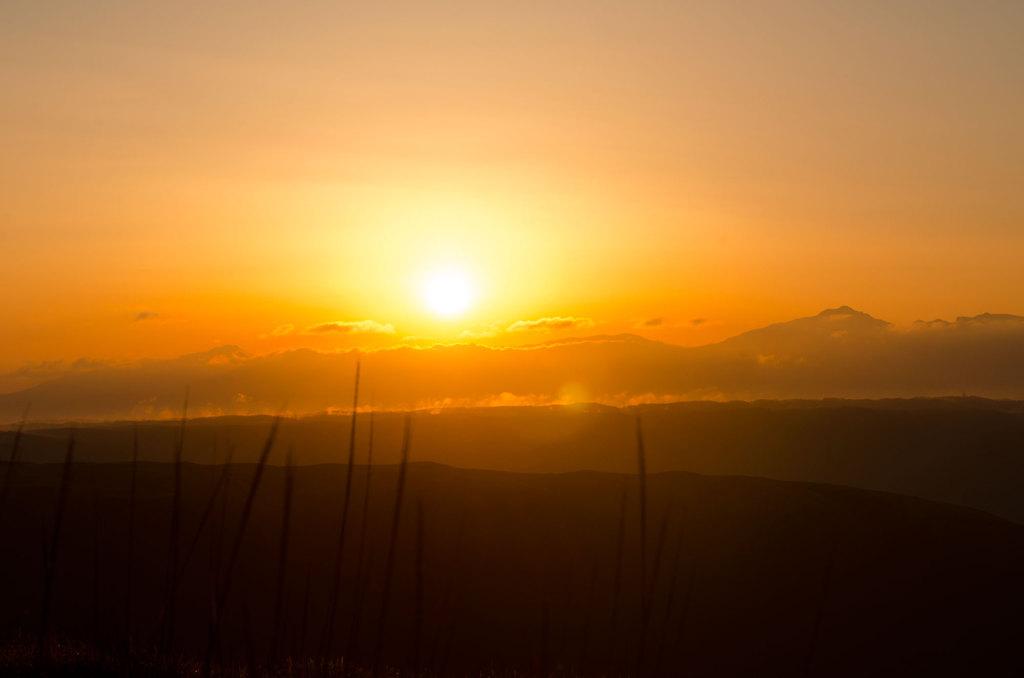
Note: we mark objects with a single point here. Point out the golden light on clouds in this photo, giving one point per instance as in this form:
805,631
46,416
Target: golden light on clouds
651,160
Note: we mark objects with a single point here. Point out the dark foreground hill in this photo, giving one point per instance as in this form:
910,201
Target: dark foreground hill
960,450
745,576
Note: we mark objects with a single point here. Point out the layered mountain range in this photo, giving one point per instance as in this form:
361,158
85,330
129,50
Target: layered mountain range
840,352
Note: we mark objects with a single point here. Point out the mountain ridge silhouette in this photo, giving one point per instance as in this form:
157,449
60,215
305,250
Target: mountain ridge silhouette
838,353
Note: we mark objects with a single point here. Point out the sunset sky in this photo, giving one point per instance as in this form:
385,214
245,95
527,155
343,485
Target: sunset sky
177,176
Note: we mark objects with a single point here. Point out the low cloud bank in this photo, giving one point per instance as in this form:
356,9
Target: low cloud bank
839,353
351,327
548,324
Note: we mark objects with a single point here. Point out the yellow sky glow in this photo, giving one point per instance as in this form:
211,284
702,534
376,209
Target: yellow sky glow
181,176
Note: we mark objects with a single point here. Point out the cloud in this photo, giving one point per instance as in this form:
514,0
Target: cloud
146,315
698,321
485,331
279,331
549,324
653,322
43,368
351,327
986,320
88,364
50,368
31,374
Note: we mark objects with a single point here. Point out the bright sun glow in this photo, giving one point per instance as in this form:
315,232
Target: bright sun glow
447,293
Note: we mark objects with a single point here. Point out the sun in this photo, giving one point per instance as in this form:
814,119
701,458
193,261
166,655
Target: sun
447,293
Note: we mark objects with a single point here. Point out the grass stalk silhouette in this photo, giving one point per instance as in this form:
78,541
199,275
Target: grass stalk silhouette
620,546
327,641
130,546
645,622
282,563
358,595
50,550
670,599
207,514
223,522
236,547
304,624
392,543
418,613
95,547
218,545
641,470
12,462
166,626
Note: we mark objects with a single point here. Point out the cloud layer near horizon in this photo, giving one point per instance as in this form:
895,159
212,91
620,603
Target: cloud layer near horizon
484,331
552,323
838,353
334,327
351,327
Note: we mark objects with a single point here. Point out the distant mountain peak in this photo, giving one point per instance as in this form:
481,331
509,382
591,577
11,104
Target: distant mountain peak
846,316
793,336
845,311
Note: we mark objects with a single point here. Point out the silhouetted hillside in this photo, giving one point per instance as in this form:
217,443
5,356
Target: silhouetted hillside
964,451
746,576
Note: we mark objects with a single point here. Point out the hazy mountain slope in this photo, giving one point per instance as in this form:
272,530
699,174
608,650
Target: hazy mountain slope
838,353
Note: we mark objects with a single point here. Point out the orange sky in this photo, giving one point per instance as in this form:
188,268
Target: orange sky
182,175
